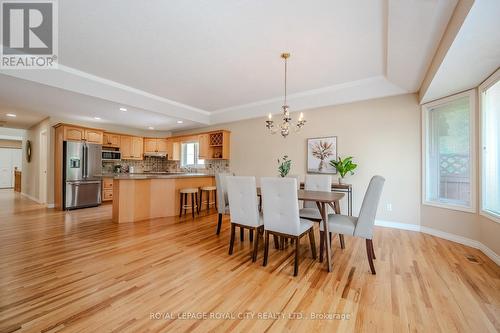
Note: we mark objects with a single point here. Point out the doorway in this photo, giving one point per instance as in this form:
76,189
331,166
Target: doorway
9,159
42,193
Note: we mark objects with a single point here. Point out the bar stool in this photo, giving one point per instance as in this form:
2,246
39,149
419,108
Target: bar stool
184,200
208,189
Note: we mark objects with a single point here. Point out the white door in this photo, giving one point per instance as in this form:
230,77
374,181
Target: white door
6,170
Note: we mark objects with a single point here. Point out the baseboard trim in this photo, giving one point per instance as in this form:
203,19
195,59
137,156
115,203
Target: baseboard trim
32,198
442,234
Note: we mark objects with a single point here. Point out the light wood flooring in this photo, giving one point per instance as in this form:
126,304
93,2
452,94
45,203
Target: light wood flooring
78,272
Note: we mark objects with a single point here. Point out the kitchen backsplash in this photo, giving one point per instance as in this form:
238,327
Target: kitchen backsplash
159,164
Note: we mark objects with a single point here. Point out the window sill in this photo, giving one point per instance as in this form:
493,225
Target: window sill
491,216
450,206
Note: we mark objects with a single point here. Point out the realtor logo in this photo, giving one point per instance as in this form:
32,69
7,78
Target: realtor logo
29,34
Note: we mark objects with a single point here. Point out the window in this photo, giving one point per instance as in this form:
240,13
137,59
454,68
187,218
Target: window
448,134
490,142
189,155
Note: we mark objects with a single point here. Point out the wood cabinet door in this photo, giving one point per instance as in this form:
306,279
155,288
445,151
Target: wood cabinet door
126,147
94,136
115,140
203,146
173,150
161,145
111,140
150,145
225,145
137,147
74,133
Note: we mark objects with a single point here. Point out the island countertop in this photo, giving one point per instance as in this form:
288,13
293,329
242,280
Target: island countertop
138,176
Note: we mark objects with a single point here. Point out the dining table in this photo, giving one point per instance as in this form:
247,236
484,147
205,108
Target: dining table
322,200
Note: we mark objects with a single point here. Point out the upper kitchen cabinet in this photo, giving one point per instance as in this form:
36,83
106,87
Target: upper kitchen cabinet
131,147
154,145
218,145
203,146
111,140
74,133
173,149
93,136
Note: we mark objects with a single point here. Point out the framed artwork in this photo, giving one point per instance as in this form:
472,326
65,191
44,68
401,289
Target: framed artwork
320,151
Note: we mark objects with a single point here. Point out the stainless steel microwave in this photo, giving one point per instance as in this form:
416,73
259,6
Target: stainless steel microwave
111,155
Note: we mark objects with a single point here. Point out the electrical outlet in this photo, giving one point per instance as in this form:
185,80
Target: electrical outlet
389,207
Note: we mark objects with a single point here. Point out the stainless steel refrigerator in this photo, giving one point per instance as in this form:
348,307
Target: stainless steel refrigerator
82,174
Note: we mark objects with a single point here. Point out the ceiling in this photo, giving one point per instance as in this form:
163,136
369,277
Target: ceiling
473,55
218,60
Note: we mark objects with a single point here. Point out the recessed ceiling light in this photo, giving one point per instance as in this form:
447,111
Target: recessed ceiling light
123,109
179,121
151,127
11,115
97,118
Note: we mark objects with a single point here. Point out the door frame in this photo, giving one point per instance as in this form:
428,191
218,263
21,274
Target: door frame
43,166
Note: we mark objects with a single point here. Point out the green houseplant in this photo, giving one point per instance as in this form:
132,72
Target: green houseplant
344,166
284,165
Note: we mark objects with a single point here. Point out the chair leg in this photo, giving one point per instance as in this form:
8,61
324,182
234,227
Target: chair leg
369,252
342,244
199,201
182,204
185,203
321,245
282,243
219,223
208,202
296,265
242,234
266,247
231,242
251,235
255,244
192,205
276,242
313,243
373,250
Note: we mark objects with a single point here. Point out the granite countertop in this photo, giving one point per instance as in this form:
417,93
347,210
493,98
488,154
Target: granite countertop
151,175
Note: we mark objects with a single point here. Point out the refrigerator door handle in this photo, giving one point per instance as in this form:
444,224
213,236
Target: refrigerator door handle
85,161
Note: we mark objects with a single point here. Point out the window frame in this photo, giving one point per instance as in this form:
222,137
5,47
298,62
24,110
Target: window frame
471,94
490,81
196,156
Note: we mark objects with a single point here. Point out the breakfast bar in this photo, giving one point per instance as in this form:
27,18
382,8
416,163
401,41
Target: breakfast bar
139,197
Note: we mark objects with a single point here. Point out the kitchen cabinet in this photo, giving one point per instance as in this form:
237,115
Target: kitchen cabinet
73,133
131,147
203,146
173,150
154,145
107,189
111,140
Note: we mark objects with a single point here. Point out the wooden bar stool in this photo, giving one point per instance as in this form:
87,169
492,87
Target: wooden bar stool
184,206
208,189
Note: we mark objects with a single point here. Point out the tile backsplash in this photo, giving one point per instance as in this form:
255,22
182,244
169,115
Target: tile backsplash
159,164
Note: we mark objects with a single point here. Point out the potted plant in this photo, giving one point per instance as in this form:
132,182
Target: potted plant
284,165
344,166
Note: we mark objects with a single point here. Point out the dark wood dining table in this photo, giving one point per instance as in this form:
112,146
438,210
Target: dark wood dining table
322,200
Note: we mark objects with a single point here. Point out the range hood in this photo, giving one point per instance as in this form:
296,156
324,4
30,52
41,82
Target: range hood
156,154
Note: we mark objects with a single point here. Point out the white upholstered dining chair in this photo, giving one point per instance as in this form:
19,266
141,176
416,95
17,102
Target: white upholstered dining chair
281,215
244,209
222,202
315,183
361,226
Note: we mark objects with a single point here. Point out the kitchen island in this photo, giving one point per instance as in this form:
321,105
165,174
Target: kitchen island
138,197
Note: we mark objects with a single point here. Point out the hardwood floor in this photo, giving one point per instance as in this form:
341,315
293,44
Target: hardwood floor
79,272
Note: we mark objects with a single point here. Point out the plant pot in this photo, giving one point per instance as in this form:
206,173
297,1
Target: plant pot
341,180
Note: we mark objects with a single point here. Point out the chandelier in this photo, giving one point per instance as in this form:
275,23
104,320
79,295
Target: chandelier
286,124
